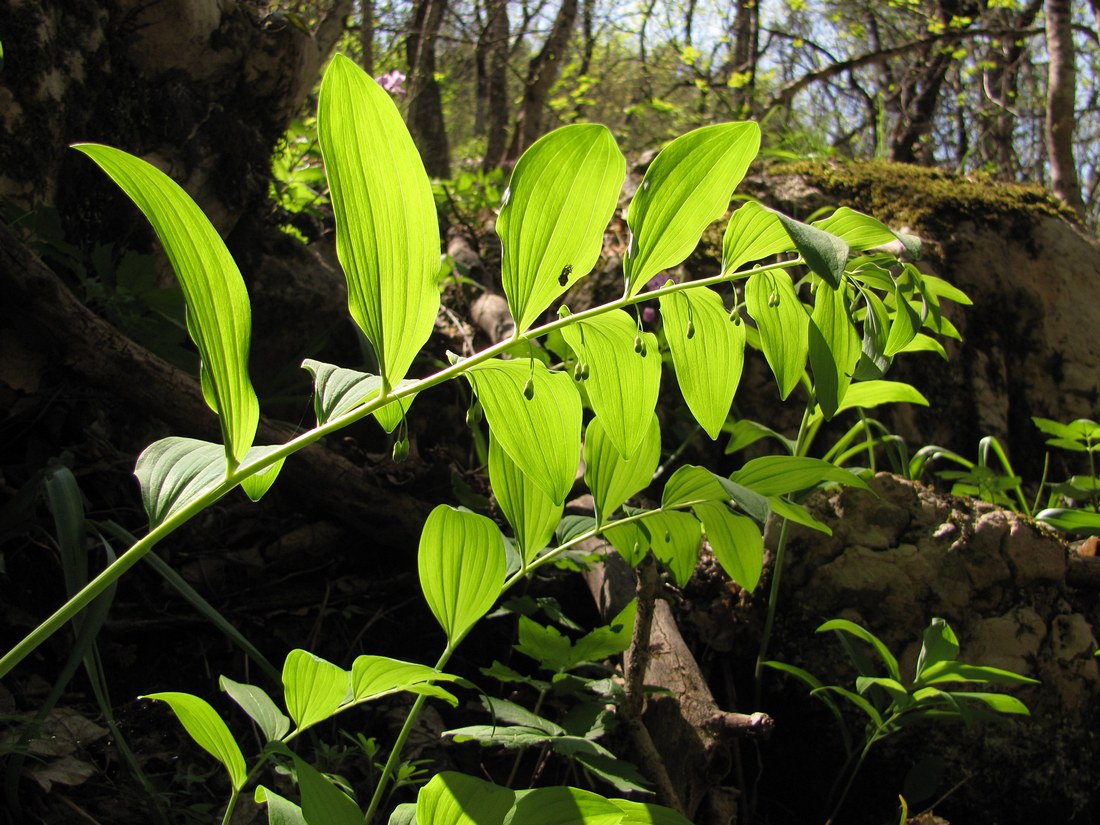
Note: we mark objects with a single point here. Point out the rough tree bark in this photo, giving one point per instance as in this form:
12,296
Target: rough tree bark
425,116
542,73
1061,96
492,97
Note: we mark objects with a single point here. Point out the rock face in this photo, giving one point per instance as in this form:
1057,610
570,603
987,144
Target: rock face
1034,277
902,555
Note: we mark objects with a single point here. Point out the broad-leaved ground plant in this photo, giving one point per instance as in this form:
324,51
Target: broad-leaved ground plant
827,308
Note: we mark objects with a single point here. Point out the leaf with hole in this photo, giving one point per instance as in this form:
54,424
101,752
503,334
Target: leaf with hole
686,188
563,191
387,230
708,352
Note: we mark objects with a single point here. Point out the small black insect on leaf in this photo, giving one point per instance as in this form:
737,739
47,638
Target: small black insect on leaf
566,271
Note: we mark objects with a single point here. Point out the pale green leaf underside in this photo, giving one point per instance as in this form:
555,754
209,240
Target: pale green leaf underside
528,508
752,234
219,317
736,541
709,362
176,472
560,198
783,324
208,730
825,254
313,688
259,706
622,383
338,390
387,231
686,188
611,478
462,566
542,434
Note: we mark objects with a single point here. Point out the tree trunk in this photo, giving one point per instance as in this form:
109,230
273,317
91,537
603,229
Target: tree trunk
746,46
542,73
493,86
1061,95
366,35
425,116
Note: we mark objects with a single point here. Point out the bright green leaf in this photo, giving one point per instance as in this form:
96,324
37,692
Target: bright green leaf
845,626
313,688
1081,522
560,198
322,802
873,361
219,318
691,484
622,382
631,541
752,234
461,562
940,645
458,799
258,705
280,811
834,347
952,671
903,327
646,813
686,188
777,475
611,478
783,324
708,351
208,730
858,230
557,805
542,434
527,507
387,230
675,538
374,676
736,541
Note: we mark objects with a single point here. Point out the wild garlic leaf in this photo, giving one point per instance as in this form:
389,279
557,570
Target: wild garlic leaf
461,564
208,730
337,390
834,347
675,538
559,200
708,352
736,541
624,374
783,325
752,234
541,433
387,230
686,188
528,508
219,316
313,688
273,723
824,253
611,478
375,676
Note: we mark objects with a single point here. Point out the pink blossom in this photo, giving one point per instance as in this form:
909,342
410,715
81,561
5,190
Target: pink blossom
393,82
